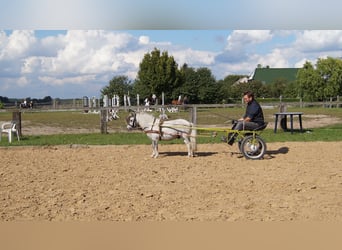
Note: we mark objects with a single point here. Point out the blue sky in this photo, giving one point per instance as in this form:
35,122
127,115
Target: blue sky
67,50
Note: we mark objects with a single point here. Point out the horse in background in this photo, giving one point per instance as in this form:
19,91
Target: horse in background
180,101
157,129
176,102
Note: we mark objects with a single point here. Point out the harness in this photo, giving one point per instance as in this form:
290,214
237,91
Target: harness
156,128
151,130
159,131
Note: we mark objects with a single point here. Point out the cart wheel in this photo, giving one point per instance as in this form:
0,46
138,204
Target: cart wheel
253,147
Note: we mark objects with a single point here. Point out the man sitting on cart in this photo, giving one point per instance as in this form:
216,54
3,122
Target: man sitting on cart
251,120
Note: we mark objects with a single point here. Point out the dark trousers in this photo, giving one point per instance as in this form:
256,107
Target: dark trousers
242,125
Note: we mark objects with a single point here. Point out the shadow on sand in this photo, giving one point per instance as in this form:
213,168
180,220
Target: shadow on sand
197,154
272,153
269,153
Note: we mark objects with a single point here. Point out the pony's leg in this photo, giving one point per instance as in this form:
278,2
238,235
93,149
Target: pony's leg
155,152
189,147
152,155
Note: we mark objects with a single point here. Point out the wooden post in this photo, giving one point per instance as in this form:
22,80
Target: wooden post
103,122
330,103
16,117
193,119
283,119
338,101
54,103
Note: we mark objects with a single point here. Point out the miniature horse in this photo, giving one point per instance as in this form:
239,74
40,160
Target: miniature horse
157,129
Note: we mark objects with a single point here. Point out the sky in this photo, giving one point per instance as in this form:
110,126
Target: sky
76,54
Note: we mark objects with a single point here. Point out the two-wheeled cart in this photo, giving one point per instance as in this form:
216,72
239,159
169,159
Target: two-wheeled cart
250,143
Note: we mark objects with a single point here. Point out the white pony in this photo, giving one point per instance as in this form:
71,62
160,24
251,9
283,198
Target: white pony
157,129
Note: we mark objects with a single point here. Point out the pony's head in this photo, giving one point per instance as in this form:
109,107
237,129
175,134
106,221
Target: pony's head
131,121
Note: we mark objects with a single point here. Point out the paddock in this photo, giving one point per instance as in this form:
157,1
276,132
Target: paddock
297,181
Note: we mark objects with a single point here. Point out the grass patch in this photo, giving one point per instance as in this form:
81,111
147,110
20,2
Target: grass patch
84,139
220,117
331,133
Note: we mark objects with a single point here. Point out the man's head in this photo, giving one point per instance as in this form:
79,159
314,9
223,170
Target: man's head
248,96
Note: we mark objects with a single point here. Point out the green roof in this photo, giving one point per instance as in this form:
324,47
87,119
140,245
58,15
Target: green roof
269,75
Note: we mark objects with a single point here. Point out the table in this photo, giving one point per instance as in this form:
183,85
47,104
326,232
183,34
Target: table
291,114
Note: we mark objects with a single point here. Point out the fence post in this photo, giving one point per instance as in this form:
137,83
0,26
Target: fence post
103,122
338,101
283,119
54,103
193,119
16,117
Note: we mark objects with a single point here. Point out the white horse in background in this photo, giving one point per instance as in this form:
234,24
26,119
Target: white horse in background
157,129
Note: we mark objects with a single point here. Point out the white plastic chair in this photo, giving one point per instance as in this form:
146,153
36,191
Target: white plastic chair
9,128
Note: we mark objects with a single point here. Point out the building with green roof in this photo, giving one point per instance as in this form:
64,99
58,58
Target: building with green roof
270,75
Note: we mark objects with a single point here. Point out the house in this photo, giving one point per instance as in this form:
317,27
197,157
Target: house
269,75
244,79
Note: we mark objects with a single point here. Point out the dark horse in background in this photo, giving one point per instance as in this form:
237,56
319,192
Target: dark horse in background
180,101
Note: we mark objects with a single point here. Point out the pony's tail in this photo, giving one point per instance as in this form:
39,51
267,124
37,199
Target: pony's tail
193,136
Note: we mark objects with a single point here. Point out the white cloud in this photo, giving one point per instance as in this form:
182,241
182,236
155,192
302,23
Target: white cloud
242,44
276,59
22,81
144,40
17,45
70,80
194,58
91,58
301,62
30,65
319,40
241,38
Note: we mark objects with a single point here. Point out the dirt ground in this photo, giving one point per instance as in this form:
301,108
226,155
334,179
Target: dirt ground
296,181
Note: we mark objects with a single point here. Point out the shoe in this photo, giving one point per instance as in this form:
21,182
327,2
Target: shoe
231,138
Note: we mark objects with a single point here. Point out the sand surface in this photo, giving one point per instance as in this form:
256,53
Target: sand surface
296,181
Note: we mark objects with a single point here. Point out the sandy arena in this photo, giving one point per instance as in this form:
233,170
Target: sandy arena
297,181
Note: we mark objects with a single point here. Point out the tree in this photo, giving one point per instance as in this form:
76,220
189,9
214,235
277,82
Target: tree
119,85
158,73
226,88
189,79
330,72
321,83
277,88
207,89
4,99
200,85
307,81
257,87
291,90
46,99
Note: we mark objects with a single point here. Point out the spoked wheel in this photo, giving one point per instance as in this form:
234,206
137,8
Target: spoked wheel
253,147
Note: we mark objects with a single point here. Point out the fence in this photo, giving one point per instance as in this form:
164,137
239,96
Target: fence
76,119
79,103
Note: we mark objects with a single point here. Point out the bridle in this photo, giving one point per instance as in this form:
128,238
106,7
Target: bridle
130,122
